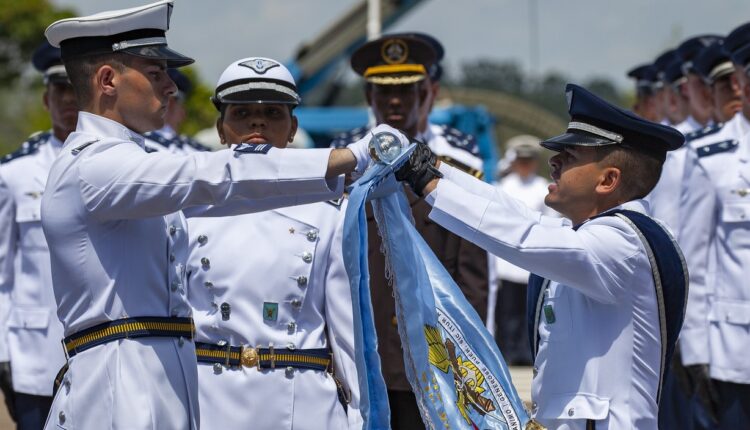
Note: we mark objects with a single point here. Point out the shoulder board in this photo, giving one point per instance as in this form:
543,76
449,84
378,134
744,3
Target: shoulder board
461,140
30,146
253,148
186,140
158,138
705,131
461,166
716,148
351,136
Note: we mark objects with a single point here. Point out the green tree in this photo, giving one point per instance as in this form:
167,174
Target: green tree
504,76
22,25
201,113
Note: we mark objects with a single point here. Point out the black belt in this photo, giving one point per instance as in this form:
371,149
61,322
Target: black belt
263,358
128,328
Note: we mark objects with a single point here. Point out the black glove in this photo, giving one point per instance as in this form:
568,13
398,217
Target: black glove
6,385
703,388
420,169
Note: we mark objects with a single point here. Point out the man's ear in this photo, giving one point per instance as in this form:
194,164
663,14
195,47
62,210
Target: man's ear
106,80
423,94
220,130
609,181
293,131
45,99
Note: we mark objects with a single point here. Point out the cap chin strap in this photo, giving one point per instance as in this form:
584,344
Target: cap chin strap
146,41
577,125
249,86
720,70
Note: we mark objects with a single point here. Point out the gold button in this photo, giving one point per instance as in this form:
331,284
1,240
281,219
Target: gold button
172,230
249,357
302,281
307,257
202,239
205,262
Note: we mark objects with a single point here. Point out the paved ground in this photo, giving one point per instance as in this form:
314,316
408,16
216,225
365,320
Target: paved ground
521,379
5,422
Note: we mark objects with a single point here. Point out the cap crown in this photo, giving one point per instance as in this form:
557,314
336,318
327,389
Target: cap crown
256,80
394,59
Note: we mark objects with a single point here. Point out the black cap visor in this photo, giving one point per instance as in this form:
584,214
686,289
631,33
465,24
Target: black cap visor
160,52
558,143
256,97
57,78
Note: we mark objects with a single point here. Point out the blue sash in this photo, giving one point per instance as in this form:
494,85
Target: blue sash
670,280
453,364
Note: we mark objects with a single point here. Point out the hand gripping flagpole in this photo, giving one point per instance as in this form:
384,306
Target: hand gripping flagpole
453,364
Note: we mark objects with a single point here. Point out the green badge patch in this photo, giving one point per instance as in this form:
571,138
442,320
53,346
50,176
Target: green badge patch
270,311
549,314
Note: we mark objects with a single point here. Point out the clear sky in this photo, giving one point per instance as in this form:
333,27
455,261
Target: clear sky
581,38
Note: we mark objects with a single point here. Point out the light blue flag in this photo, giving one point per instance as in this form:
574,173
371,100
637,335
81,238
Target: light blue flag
453,364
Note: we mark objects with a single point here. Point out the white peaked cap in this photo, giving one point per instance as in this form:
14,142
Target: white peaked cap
256,80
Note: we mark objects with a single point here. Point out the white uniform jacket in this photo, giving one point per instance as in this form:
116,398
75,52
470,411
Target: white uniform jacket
34,332
694,345
599,356
531,191
662,199
716,242
275,278
118,247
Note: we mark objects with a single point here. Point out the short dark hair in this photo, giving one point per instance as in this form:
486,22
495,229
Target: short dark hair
640,169
81,70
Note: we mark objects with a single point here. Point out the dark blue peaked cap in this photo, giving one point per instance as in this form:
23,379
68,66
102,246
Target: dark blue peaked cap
673,73
663,60
690,48
644,75
45,56
737,43
181,80
435,70
713,62
594,122
46,59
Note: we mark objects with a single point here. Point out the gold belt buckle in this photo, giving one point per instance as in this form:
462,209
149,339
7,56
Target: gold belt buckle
249,357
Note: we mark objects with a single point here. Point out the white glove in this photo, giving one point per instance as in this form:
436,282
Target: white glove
361,149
